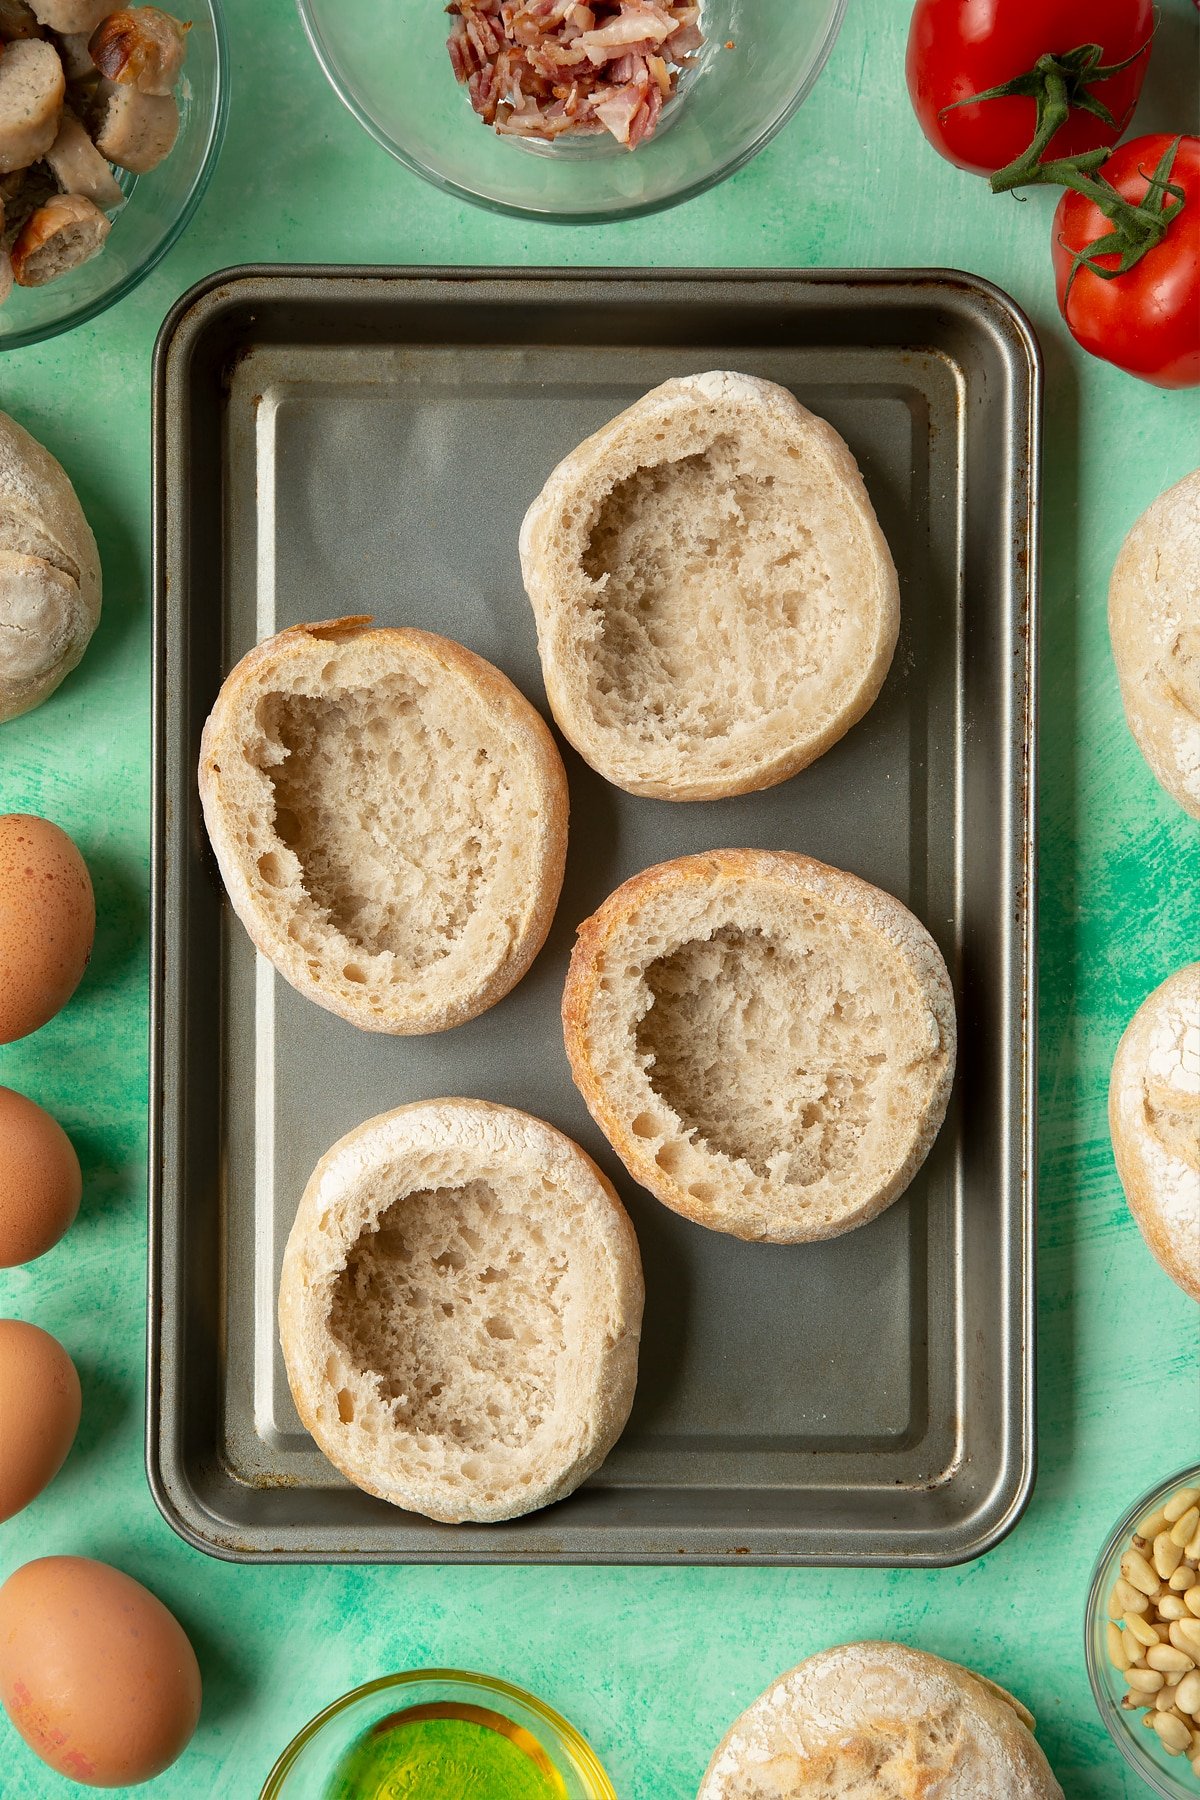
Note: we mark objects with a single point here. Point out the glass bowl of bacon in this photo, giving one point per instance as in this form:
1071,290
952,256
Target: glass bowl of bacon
573,111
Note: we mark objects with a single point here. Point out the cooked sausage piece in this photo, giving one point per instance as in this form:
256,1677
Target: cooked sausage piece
71,15
31,101
137,130
141,47
57,237
6,276
79,167
18,20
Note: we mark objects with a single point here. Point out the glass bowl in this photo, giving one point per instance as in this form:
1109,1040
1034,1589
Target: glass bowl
1169,1776
396,79
158,205
336,1756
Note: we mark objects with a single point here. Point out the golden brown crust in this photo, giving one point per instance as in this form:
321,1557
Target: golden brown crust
543,767
873,911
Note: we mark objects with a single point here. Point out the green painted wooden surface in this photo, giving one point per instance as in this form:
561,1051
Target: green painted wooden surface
652,1663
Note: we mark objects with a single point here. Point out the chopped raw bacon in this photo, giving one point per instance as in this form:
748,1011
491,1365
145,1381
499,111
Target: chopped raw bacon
543,68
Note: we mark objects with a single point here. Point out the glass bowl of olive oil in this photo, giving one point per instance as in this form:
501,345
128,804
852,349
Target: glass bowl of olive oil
438,1734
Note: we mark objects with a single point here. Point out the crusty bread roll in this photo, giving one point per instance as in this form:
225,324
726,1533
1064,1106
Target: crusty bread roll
460,1309
767,1043
715,602
390,819
881,1722
1154,622
1154,1116
49,573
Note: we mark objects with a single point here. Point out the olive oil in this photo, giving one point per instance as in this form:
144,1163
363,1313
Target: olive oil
446,1751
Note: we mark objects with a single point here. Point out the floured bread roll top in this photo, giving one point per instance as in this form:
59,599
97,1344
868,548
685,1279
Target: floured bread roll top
49,573
1154,1116
878,1721
1154,621
768,1043
389,815
460,1309
715,602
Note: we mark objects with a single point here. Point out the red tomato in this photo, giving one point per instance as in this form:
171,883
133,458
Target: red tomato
961,47
1146,321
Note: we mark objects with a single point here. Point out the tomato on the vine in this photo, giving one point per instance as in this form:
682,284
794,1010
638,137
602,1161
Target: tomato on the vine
1146,321
957,48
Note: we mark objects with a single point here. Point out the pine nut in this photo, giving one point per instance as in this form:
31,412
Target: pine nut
1145,1681
1183,1579
1139,1574
1171,1607
1192,1548
1191,1599
1169,1657
1138,1629
1153,1523
1114,1640
1167,1555
1164,1700
1183,1529
1187,1694
1173,1733
1136,1703
1180,1503
1127,1599
1185,1635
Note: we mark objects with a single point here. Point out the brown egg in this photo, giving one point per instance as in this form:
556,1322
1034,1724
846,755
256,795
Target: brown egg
47,922
40,1183
39,1412
95,1673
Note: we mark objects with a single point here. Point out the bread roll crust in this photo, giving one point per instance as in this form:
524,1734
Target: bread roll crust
1154,623
1154,1118
555,1404
747,609
734,1021
886,1721
49,573
485,800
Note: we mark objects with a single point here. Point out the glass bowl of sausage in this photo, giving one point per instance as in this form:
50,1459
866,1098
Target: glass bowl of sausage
573,111
1142,1636
111,121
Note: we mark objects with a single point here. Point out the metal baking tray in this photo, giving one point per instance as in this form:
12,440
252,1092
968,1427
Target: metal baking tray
349,441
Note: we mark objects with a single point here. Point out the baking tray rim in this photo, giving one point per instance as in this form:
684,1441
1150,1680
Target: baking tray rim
175,1496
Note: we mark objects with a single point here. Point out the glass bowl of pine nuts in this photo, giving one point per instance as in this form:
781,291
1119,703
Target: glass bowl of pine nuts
1143,1636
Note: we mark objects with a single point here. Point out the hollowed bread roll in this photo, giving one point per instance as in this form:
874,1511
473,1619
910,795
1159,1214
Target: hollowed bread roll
459,1310
390,819
767,1043
1154,622
881,1722
715,602
1154,1116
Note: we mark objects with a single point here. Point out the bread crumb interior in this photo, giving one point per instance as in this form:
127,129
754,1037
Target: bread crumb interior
716,604
395,856
455,1304
771,1055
